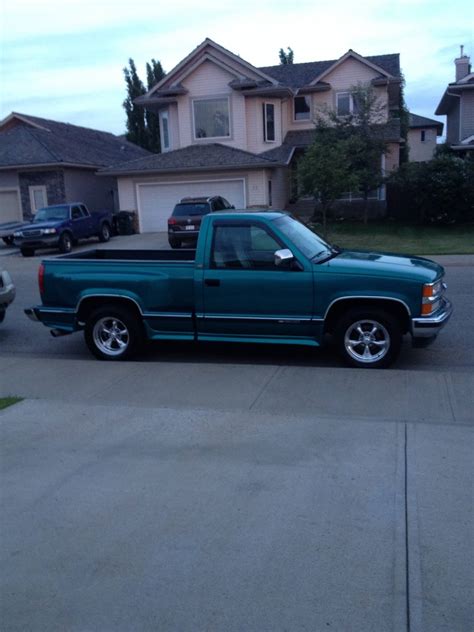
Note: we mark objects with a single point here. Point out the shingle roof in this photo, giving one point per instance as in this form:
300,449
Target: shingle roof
298,75
55,142
390,132
194,158
416,121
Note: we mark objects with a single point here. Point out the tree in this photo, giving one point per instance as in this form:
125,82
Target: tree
286,58
363,130
136,125
143,127
324,170
154,73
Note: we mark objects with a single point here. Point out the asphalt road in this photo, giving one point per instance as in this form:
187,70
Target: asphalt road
452,351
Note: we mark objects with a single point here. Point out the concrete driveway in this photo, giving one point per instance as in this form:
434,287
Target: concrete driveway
234,489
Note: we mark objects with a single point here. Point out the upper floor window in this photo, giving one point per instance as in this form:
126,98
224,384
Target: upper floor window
345,104
268,122
423,135
302,107
211,118
164,131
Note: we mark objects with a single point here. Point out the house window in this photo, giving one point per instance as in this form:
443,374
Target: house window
211,118
302,107
38,197
423,135
270,201
164,131
345,104
269,122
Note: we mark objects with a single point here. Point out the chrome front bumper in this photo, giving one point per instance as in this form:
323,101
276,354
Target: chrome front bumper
430,326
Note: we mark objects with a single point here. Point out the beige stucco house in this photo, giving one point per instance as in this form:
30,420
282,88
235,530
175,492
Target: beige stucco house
229,128
422,137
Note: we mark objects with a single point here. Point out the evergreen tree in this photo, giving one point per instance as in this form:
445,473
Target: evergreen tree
143,126
154,74
286,58
136,124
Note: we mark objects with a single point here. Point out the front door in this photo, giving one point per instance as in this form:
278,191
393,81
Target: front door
245,295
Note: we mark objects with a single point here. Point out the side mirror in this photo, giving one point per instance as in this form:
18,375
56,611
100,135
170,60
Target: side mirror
283,256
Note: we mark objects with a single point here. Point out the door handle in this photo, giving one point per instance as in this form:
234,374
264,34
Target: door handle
212,282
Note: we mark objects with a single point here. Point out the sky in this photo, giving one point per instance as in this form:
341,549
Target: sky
64,59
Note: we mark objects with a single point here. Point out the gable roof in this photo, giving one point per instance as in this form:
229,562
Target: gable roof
416,121
30,140
205,50
206,157
297,76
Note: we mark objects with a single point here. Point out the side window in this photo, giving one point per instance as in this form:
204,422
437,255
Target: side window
76,212
217,205
247,246
85,212
226,203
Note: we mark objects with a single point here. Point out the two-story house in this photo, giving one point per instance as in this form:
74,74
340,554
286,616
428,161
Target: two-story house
229,128
457,103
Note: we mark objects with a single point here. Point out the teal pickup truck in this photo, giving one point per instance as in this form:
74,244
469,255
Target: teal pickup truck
254,277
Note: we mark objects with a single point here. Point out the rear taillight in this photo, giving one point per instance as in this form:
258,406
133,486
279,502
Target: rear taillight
172,221
41,278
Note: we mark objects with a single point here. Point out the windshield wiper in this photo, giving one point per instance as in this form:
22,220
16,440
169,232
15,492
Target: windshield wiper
333,252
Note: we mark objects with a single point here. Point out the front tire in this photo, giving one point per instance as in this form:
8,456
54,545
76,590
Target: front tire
65,243
368,339
104,234
113,333
27,252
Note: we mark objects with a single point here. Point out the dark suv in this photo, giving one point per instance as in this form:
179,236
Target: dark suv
185,221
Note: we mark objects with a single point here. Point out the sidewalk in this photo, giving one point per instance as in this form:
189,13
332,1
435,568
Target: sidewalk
125,518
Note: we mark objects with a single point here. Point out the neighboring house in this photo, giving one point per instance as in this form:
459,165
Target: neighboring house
422,135
46,162
231,129
457,103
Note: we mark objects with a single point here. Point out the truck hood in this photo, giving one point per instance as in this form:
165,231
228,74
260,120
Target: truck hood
370,263
41,225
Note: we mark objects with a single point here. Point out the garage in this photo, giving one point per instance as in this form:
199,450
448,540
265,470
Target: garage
156,201
10,209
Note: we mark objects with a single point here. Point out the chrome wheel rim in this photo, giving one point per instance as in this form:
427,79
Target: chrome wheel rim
367,341
105,232
111,336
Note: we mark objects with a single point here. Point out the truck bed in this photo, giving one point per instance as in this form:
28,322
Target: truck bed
133,255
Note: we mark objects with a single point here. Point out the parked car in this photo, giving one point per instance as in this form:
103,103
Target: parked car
61,226
7,292
185,221
254,277
7,230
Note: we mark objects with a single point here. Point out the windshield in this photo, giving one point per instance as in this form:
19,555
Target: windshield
191,209
310,244
52,213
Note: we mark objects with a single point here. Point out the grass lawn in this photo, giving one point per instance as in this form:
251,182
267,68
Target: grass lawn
8,401
403,238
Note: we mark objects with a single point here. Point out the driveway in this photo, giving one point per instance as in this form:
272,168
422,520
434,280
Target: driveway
235,488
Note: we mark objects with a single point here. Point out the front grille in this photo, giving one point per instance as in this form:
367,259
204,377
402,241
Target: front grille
32,233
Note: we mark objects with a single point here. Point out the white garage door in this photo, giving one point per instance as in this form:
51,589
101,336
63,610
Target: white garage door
156,201
10,210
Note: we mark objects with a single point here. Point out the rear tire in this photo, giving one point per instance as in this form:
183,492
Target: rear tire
8,240
113,333
368,338
65,243
174,243
27,252
104,234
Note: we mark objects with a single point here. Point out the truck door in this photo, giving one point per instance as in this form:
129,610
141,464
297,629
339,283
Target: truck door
245,295
80,223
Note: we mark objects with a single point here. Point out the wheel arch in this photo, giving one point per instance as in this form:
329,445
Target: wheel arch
91,302
340,306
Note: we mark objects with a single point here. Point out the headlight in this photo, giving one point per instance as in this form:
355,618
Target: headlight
431,297
18,234
49,231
